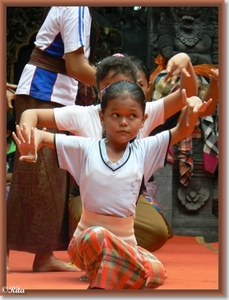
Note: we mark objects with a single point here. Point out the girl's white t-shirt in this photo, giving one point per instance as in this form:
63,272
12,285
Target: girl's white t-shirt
84,120
107,187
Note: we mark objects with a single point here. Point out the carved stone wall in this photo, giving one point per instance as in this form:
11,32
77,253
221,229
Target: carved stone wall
192,209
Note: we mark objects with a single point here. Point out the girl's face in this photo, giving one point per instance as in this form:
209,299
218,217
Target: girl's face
142,82
110,78
122,120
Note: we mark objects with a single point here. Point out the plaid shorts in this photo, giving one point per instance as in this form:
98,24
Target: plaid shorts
111,263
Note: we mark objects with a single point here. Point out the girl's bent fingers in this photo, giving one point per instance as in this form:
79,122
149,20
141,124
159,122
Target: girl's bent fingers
17,141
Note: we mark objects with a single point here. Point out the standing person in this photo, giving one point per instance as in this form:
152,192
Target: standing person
104,243
63,53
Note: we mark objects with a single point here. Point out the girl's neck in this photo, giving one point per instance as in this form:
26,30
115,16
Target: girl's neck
115,151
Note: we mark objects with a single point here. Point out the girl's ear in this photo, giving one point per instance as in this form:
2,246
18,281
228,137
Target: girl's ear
144,119
101,117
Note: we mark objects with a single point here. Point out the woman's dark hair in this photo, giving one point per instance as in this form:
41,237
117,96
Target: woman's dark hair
94,35
142,67
123,89
121,65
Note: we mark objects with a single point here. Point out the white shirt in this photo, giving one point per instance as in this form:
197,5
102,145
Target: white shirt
65,29
84,120
107,187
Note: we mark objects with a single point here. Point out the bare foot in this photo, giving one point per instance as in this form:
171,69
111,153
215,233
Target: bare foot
83,278
49,263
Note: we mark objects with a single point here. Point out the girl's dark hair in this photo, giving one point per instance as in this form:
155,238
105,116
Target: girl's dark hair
94,35
123,89
121,65
140,66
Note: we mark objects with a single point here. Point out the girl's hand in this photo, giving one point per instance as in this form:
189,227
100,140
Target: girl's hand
25,143
177,64
215,74
194,105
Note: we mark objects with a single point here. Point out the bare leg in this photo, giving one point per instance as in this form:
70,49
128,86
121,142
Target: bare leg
49,263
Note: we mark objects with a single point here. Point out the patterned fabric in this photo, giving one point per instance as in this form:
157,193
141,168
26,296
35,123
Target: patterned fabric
208,126
113,264
210,134
185,157
153,202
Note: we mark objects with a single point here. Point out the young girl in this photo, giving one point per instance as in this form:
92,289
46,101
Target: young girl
81,121
104,244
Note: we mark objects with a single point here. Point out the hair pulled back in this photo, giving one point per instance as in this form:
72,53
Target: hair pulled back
123,89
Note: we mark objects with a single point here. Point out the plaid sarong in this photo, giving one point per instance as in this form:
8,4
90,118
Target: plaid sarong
185,157
208,125
111,263
210,134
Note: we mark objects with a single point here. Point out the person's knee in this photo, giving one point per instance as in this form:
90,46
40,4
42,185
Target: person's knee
151,230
